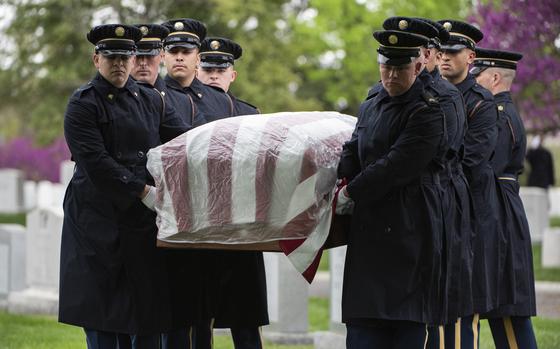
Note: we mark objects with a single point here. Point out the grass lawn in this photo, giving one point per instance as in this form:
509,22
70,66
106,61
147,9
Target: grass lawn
18,218
31,332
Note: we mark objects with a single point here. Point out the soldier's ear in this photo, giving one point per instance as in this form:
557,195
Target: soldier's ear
95,59
233,75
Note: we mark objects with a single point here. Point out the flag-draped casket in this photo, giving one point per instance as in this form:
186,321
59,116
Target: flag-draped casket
256,180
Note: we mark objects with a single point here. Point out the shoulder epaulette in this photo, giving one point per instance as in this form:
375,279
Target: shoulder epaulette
429,98
487,95
83,88
249,104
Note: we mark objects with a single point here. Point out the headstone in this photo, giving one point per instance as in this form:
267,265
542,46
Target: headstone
50,194
336,337
44,228
551,248
66,172
11,191
554,197
12,258
535,201
336,263
30,195
287,293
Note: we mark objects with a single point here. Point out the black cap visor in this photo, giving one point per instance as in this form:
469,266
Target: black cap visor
148,51
396,56
476,70
210,64
114,52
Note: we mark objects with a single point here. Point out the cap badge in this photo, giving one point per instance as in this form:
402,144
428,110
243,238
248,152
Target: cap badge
119,31
447,26
501,108
403,24
144,30
393,39
179,26
215,44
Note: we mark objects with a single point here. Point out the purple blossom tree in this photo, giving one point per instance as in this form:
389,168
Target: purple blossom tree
532,28
36,162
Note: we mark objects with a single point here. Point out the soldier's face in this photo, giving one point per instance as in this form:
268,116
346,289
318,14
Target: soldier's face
181,62
217,77
455,64
146,68
114,68
398,79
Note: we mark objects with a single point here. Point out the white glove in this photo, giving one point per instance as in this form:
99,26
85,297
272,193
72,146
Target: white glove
150,199
344,204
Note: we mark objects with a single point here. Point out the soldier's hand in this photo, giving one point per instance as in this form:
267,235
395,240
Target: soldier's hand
344,204
149,200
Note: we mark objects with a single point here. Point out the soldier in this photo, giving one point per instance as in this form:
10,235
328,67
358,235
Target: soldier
394,246
182,58
510,323
238,287
112,277
457,274
217,58
146,70
479,144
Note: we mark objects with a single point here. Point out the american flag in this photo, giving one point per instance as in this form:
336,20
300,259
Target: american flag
252,179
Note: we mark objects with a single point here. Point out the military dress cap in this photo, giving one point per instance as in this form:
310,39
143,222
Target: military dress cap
441,38
486,58
152,39
219,52
114,39
398,47
461,35
411,25
184,32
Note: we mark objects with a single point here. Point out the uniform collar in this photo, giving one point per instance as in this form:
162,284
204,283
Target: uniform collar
435,74
416,88
159,84
466,84
110,91
425,76
196,86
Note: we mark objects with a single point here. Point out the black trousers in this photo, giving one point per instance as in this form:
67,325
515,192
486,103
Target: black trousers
110,340
244,337
513,332
389,335
463,334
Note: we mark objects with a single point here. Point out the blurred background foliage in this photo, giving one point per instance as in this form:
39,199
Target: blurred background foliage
297,54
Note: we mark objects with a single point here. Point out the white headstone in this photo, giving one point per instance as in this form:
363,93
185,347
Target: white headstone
66,172
50,194
535,201
554,197
11,191
30,195
551,248
44,228
12,258
336,263
287,293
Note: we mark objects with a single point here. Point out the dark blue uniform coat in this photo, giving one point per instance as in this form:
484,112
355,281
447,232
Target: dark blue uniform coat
394,256
488,245
517,282
182,103
111,274
456,200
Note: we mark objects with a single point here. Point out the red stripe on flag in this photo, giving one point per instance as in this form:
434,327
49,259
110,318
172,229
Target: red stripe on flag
175,170
274,134
220,154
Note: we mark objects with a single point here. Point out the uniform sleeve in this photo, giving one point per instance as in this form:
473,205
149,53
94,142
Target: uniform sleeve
481,136
87,146
415,147
171,124
349,164
551,169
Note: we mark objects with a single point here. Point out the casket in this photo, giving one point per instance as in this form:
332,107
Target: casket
255,182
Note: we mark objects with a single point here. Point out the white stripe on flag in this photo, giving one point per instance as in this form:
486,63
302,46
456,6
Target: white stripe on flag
244,168
198,143
167,224
303,256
